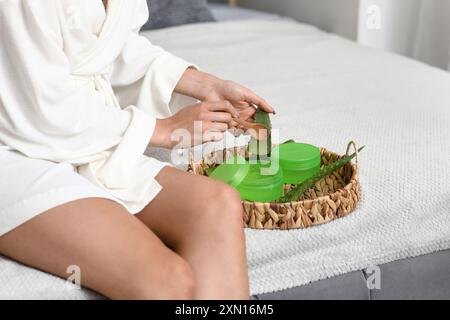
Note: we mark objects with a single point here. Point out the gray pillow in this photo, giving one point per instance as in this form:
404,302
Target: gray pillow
168,13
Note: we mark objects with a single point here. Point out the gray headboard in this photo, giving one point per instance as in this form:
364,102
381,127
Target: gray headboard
230,2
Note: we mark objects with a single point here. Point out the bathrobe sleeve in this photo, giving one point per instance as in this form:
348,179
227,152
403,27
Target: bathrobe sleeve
146,75
44,112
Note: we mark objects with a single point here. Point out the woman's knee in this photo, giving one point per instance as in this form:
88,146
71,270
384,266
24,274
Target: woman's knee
174,280
181,279
223,206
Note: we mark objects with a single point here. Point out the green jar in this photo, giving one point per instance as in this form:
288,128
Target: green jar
262,185
232,172
299,161
255,182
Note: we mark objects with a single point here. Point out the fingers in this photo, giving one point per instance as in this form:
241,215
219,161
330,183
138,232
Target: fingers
216,122
261,103
224,106
223,117
247,113
220,112
252,98
216,126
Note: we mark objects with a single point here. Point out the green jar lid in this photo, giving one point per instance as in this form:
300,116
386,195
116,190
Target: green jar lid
262,184
260,175
232,172
297,155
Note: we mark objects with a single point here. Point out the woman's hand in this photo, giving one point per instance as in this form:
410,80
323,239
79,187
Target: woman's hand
206,87
241,98
194,125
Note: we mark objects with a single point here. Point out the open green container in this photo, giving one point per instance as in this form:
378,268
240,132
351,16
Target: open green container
255,182
233,171
299,161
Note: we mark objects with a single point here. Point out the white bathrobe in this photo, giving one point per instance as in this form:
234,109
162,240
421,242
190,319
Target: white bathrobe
79,87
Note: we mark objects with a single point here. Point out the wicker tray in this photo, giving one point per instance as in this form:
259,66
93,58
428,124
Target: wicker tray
333,197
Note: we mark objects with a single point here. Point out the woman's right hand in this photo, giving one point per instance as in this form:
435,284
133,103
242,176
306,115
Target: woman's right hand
199,123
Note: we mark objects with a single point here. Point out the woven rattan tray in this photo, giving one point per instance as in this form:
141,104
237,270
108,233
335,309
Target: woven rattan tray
333,197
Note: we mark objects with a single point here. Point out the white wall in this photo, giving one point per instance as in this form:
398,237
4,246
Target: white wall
419,29
337,16
416,28
433,40
397,26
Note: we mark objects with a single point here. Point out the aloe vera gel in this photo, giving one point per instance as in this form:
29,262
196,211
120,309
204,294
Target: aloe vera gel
262,185
263,179
232,172
255,181
299,161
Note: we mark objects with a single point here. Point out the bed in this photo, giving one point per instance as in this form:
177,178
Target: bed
224,12
327,91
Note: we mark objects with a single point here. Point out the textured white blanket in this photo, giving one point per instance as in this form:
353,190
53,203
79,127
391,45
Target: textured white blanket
327,91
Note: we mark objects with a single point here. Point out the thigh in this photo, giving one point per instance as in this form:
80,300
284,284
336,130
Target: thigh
113,249
191,206
201,219
30,186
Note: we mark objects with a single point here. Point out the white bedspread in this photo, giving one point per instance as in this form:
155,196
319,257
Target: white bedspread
327,91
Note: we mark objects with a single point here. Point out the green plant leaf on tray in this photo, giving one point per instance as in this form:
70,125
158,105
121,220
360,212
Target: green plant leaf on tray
298,190
263,147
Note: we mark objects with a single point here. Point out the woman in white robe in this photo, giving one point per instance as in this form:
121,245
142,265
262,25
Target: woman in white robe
82,96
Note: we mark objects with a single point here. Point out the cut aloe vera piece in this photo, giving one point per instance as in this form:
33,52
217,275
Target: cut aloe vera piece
262,148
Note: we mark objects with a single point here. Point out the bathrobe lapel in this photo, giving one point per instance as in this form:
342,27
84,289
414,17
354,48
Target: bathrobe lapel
108,168
114,33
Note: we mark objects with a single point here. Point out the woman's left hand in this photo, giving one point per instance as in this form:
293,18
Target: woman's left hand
242,98
206,87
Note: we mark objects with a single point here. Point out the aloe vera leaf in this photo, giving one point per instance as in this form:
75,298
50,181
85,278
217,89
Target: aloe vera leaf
263,147
296,192
262,117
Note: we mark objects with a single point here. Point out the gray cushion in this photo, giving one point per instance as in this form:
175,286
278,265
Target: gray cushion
168,13
423,277
349,286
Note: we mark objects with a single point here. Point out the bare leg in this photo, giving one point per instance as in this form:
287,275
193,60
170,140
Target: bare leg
118,255
201,219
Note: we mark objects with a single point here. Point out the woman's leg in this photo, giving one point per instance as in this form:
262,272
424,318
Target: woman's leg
118,255
201,219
